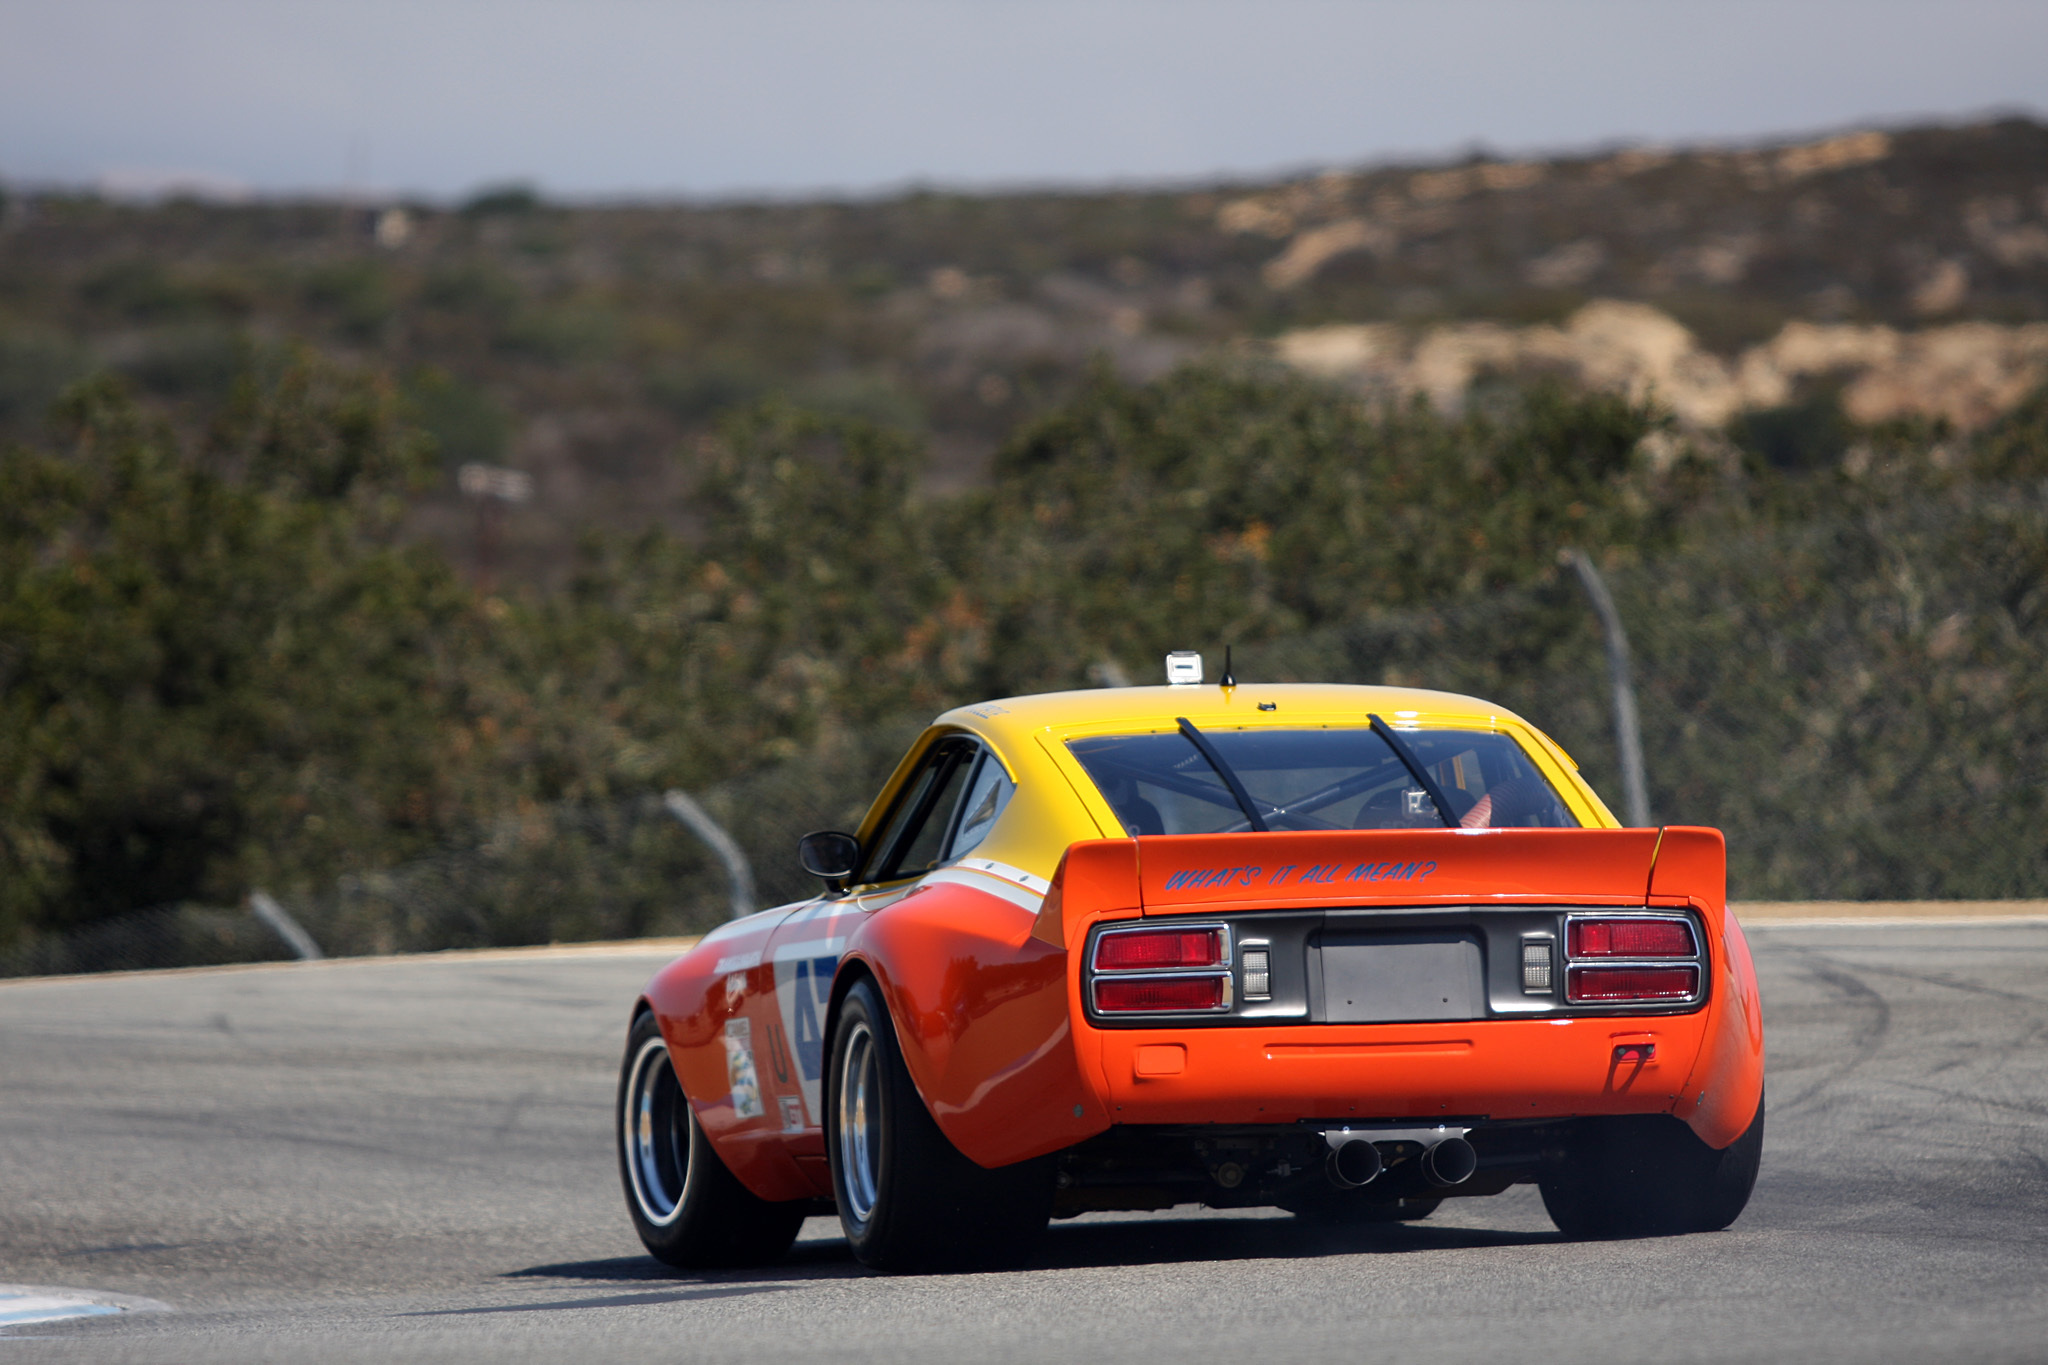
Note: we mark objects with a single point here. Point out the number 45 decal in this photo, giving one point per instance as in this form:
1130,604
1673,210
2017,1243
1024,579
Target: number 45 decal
810,992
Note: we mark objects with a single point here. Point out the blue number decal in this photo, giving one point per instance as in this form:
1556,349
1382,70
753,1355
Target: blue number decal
813,991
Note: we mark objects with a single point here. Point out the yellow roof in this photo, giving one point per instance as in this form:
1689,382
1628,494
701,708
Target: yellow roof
1056,802
1207,704
1029,731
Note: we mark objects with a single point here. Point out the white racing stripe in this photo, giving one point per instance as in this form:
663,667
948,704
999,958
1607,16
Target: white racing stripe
810,947
1028,880
1012,884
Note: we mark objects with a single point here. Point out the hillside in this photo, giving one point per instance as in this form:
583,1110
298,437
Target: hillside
804,475
1897,272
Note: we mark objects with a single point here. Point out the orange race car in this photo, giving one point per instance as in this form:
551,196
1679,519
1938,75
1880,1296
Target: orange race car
1341,950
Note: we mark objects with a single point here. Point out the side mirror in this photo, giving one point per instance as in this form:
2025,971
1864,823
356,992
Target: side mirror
830,856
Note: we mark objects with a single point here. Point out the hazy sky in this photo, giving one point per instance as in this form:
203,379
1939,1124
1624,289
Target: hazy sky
633,97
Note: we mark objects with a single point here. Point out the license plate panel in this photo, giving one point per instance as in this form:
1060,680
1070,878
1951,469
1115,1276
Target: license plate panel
1395,976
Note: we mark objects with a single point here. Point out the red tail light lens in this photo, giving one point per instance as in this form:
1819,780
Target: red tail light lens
1159,994
1631,938
1160,950
1612,985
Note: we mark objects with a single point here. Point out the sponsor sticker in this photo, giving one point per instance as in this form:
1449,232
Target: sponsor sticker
739,1069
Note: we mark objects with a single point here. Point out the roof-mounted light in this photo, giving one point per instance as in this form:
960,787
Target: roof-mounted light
1184,668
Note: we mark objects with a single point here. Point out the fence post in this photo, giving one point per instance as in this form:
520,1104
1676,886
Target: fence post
700,823
284,926
1628,735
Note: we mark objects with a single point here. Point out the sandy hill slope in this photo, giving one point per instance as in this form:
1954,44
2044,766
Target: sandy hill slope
1890,272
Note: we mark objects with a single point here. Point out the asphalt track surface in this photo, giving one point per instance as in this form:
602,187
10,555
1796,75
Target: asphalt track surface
411,1160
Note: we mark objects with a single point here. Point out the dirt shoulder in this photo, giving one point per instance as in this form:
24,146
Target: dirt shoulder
1770,912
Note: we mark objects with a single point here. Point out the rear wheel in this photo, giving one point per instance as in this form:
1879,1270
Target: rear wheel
687,1207
908,1199
1647,1176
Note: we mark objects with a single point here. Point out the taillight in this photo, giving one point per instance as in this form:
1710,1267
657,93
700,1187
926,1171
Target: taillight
1631,938
1159,950
1161,969
1626,959
1612,985
1158,994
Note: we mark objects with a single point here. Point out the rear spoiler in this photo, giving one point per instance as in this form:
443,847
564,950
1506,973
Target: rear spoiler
1187,873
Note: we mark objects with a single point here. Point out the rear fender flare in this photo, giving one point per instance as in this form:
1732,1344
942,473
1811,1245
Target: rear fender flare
1726,1082
983,1024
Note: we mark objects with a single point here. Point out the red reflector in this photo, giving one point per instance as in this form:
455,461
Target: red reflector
1159,994
1608,985
1631,938
1161,949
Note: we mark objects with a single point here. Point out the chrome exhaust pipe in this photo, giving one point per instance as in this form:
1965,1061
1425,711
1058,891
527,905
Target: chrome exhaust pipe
1450,1162
1353,1164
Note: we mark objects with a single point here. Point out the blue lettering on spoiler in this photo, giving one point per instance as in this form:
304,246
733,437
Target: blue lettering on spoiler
1212,876
1207,877
1390,872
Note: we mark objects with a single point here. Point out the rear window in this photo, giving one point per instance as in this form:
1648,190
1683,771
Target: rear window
1319,780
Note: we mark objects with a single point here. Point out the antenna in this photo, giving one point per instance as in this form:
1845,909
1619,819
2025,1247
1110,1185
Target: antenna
1228,679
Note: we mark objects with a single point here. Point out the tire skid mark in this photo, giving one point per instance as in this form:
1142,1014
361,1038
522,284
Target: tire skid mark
268,1131
513,1109
1962,1097
1868,1037
1971,987
2025,1047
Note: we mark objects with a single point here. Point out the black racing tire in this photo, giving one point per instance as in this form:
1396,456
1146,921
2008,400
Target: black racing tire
1649,1176
909,1200
689,1209
1350,1208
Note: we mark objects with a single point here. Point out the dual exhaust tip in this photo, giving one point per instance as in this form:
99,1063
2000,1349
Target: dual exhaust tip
1355,1162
